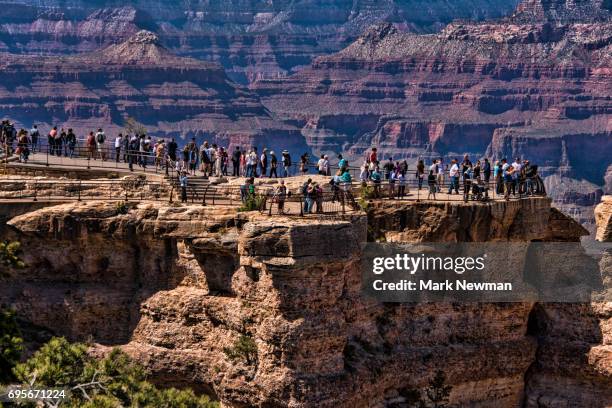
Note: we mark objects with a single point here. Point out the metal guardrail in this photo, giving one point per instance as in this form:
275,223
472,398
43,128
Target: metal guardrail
334,200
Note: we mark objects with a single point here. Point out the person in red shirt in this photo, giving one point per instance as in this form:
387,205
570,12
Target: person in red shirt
373,156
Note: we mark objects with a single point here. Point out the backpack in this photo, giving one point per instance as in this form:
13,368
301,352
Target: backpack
100,137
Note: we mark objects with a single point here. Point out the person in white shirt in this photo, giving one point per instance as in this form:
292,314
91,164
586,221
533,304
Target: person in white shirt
326,167
320,165
118,144
454,177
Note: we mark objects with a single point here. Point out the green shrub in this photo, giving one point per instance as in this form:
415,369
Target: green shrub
244,349
11,345
253,203
121,207
114,381
10,253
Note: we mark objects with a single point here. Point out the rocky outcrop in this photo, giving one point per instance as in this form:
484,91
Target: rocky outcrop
509,88
177,286
252,39
603,217
141,79
574,357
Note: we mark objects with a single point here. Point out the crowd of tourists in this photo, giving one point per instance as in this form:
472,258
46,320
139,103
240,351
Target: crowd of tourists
474,179
516,178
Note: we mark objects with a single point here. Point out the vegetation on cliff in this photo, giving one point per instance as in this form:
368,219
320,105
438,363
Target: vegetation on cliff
109,382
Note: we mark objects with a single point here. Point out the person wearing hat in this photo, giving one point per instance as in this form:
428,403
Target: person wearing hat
286,159
273,164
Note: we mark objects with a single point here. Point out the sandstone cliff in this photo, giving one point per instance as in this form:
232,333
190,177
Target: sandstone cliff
178,285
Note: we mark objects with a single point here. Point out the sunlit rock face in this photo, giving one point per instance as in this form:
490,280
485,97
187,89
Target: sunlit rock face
174,286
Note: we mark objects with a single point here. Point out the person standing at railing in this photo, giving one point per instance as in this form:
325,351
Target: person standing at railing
204,159
101,144
498,176
133,148
391,179
126,147
364,172
477,170
420,173
274,165
506,172
486,171
376,181
236,162
183,180
23,143
172,148
34,137
388,168
320,166
250,162
160,153
51,140
306,196
280,195
286,161
468,177
304,163
118,145
71,141
453,174
318,197
516,174
441,174
91,146
224,161
530,175
400,176
342,164
263,162
432,179
61,144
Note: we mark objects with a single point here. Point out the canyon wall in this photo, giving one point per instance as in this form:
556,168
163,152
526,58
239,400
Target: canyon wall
534,85
251,39
176,286
139,78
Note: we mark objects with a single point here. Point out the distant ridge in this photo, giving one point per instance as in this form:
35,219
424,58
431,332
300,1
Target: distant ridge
563,11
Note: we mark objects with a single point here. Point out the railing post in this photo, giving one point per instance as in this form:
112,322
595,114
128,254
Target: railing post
343,202
35,191
47,156
301,206
79,192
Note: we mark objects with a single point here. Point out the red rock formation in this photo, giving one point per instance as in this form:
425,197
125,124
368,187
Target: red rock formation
537,89
139,78
252,39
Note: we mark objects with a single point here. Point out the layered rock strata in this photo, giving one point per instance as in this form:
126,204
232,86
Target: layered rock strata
176,286
252,39
140,79
534,85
